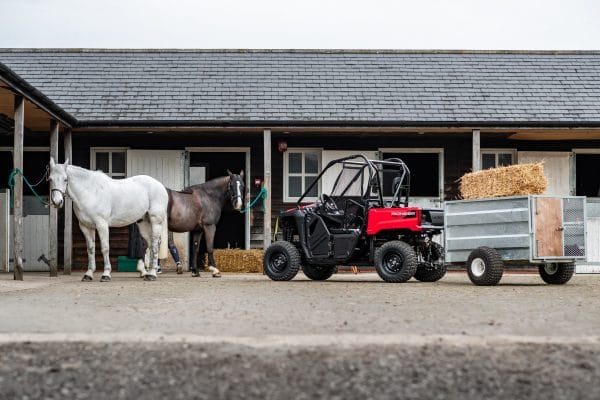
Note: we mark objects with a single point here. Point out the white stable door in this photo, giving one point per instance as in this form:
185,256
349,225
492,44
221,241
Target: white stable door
166,166
557,168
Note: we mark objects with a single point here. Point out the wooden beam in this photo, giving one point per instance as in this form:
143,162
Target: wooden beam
53,226
18,189
476,150
68,207
267,186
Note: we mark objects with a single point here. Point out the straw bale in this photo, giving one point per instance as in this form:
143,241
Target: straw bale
238,260
514,180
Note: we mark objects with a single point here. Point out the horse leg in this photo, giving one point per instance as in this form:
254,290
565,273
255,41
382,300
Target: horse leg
156,230
90,240
105,247
197,236
209,237
146,233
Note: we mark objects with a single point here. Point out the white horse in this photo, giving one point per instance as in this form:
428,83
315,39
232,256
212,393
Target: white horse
100,202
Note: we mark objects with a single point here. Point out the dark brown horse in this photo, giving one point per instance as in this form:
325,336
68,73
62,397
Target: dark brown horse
198,209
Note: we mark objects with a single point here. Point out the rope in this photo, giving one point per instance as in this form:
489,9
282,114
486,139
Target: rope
11,185
262,195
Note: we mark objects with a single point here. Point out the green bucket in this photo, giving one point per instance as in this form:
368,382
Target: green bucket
126,264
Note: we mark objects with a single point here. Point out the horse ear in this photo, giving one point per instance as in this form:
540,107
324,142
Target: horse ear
242,173
52,163
229,172
67,161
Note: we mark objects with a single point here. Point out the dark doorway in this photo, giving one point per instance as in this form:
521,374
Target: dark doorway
424,173
231,230
587,181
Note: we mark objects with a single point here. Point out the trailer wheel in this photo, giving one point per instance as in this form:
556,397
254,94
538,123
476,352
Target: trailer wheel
427,273
395,261
485,266
318,272
557,273
281,261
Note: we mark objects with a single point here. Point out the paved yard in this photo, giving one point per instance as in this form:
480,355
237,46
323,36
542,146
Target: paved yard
244,336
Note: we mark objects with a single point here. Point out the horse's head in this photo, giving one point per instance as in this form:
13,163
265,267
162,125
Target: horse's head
58,182
236,190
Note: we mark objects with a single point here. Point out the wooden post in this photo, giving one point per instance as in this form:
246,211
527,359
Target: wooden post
18,189
267,185
476,150
68,207
53,226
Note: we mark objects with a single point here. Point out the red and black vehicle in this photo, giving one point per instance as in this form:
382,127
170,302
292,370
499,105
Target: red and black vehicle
364,220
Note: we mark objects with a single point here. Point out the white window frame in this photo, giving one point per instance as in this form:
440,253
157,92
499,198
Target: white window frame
286,174
110,151
512,152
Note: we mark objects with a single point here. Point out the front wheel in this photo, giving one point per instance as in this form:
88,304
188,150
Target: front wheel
485,266
395,261
318,272
557,273
281,261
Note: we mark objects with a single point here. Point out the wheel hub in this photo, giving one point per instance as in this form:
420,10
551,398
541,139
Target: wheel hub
551,268
278,261
477,267
393,262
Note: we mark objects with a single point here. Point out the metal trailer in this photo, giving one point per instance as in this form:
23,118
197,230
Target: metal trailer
485,234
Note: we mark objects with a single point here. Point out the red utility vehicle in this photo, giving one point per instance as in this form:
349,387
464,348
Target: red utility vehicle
364,220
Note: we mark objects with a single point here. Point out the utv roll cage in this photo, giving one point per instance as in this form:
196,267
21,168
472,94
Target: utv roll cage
358,172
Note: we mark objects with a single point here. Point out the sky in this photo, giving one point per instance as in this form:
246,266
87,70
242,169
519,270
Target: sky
304,24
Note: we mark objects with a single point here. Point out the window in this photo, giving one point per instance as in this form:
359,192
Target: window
426,171
493,158
300,168
111,161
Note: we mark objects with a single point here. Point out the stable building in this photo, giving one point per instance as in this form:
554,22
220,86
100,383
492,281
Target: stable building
184,116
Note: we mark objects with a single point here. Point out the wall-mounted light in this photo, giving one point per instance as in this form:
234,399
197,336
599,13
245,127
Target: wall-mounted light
282,146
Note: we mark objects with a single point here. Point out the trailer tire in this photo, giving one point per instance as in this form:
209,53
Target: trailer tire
395,261
427,273
281,261
485,266
557,273
318,272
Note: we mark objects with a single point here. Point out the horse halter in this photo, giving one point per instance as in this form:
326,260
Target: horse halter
233,193
62,192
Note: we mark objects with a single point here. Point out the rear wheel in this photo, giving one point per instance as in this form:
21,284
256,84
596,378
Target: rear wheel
557,273
318,272
428,273
485,266
281,261
395,261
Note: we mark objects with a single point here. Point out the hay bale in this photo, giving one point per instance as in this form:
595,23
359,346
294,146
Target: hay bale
514,180
238,260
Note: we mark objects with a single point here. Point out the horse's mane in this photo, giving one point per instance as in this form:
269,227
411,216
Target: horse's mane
87,171
210,184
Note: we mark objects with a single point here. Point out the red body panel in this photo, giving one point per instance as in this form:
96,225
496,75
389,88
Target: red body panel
385,219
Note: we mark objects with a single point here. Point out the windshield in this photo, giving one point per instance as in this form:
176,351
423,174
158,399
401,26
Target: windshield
351,181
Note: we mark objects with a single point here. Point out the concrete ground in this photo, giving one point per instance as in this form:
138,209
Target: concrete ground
244,336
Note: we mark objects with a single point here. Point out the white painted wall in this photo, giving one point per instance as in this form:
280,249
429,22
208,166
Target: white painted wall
167,166
557,168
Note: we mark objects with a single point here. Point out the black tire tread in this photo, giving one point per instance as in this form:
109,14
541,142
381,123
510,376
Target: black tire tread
409,265
494,266
294,260
428,274
318,273
563,274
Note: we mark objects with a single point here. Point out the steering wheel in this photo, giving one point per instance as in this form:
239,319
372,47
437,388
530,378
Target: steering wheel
328,204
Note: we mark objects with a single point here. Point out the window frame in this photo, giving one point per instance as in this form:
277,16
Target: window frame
303,175
110,151
496,152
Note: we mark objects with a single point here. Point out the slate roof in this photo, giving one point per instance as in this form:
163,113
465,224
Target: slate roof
316,87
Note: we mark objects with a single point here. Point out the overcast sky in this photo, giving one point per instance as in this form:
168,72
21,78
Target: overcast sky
374,24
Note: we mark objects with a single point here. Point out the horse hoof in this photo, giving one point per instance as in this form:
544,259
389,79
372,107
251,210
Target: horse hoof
216,275
195,274
87,278
105,278
179,270
149,278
